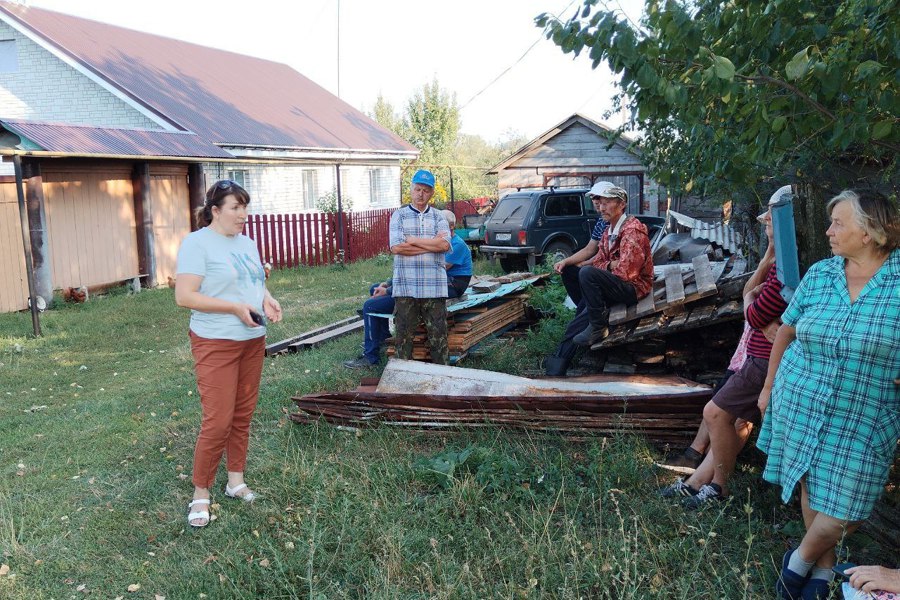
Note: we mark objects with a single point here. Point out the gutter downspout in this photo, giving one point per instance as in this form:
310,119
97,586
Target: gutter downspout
340,214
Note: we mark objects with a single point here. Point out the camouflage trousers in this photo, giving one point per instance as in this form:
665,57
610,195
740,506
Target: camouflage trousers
408,312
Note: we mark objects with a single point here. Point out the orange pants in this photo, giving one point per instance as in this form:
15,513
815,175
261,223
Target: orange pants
228,374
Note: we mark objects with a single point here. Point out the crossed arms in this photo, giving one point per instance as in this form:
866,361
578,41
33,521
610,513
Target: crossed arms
413,246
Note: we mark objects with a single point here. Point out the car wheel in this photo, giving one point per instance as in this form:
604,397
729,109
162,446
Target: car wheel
512,264
557,251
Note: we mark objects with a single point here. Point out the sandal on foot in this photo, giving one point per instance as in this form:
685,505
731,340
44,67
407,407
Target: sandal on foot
233,493
198,514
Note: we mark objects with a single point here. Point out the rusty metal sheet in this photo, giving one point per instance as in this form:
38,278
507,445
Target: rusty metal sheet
414,377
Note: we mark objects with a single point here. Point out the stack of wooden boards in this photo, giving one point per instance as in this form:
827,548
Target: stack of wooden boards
684,297
490,306
468,326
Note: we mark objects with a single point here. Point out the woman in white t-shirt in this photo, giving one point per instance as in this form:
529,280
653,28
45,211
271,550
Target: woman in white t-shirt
221,279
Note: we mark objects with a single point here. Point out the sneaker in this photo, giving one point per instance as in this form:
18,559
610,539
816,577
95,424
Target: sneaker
360,362
707,493
816,589
685,463
584,338
790,584
679,488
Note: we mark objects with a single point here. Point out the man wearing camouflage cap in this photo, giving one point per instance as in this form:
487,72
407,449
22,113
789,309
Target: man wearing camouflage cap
617,268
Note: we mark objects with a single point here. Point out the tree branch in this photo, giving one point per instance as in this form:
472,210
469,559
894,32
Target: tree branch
761,78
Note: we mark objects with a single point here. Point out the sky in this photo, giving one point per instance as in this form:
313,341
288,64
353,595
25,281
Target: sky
358,49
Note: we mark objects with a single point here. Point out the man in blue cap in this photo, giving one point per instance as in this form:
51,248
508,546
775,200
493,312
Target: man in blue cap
458,262
419,238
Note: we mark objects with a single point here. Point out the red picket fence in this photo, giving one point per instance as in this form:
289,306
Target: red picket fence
367,233
311,238
292,240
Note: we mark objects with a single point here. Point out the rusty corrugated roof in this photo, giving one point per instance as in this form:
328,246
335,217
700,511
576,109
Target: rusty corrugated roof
86,141
228,99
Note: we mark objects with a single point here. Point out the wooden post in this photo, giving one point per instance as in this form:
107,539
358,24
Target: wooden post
26,244
37,225
196,193
143,219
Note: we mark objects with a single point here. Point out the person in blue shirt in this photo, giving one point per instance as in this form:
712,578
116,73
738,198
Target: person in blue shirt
222,280
458,263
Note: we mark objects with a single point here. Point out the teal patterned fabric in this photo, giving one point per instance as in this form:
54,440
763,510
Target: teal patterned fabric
834,414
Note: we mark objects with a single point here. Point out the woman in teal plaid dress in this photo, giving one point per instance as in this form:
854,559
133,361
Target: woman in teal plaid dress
834,417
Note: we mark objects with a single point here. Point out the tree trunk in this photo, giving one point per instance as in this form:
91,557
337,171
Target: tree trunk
811,220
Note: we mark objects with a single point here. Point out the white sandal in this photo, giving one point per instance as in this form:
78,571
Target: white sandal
232,493
198,514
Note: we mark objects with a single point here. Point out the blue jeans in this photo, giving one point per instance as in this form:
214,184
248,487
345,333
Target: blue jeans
375,329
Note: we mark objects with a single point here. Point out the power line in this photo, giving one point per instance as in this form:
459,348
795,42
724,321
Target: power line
509,68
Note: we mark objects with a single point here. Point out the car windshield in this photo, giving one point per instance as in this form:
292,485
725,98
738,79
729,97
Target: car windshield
509,207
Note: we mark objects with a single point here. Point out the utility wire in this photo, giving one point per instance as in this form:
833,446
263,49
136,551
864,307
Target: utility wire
510,67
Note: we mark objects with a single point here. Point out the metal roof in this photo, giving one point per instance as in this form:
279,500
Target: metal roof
717,233
87,141
228,99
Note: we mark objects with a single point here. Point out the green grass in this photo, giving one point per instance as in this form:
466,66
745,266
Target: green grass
97,424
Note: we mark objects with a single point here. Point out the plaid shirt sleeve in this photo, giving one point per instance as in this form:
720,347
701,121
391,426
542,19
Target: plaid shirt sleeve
395,231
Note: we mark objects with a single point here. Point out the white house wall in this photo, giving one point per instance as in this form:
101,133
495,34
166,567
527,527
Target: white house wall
44,88
283,189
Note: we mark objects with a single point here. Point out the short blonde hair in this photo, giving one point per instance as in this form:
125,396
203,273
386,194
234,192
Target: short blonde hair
875,214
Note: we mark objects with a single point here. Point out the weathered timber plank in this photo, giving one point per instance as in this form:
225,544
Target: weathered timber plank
317,340
485,287
674,289
617,314
282,346
645,306
703,274
701,313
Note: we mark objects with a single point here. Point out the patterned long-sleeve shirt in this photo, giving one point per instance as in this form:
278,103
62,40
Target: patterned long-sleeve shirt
631,247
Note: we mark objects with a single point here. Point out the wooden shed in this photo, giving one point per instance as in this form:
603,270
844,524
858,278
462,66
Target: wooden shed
576,153
101,205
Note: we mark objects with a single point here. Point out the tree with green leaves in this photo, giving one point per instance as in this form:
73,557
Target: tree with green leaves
431,122
735,93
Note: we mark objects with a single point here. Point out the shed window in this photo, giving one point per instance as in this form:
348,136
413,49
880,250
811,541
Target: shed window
9,62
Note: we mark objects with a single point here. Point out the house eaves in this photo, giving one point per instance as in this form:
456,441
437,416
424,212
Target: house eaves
34,138
328,154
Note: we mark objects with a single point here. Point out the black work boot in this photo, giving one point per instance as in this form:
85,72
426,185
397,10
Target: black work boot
556,366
